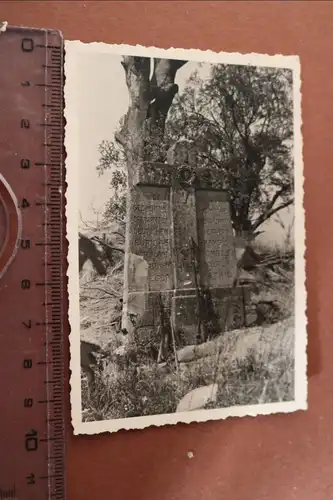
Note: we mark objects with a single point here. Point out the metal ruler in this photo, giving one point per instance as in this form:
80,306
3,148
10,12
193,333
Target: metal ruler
33,300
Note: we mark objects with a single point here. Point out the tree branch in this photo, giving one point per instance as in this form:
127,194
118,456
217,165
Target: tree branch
138,65
119,234
231,102
113,293
101,242
269,214
165,71
277,195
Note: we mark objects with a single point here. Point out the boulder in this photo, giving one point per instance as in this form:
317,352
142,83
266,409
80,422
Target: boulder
192,352
198,398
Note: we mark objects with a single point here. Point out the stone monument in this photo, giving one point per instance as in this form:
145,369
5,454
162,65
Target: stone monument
179,234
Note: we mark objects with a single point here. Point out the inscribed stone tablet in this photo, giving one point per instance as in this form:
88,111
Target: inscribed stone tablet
150,233
216,241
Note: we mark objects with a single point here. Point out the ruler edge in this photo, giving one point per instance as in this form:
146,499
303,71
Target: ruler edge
20,30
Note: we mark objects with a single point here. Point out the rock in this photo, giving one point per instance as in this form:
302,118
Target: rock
237,344
198,398
245,278
267,312
251,318
88,251
121,350
192,352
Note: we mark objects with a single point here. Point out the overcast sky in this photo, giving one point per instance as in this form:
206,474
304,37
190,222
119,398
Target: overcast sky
100,102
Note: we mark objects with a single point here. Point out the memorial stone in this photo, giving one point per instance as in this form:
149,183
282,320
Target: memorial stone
179,222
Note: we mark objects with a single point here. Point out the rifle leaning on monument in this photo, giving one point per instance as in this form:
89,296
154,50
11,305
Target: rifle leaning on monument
167,333
201,325
163,332
207,318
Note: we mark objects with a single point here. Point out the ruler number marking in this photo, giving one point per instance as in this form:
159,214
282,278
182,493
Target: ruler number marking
27,363
25,284
28,403
25,203
25,163
31,440
31,478
27,44
25,244
25,123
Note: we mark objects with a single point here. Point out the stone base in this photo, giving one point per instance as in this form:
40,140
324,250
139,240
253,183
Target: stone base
228,312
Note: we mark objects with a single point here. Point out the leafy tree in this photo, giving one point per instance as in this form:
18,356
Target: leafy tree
240,119
112,155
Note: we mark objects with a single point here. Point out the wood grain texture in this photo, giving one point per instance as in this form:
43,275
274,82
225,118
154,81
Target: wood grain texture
287,457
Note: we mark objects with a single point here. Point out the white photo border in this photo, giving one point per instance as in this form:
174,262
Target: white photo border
72,145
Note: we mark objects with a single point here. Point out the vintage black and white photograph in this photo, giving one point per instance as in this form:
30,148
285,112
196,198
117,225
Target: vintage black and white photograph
186,235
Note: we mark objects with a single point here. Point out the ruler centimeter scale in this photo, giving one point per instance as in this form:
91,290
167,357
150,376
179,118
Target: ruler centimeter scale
33,312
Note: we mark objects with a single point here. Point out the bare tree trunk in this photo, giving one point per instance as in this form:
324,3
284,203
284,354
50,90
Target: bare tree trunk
163,91
151,94
137,71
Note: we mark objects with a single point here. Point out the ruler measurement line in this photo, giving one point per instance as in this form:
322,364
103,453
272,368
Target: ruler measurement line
48,323
48,85
50,66
43,164
45,203
41,45
45,244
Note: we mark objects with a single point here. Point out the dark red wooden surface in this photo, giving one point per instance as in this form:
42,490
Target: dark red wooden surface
287,457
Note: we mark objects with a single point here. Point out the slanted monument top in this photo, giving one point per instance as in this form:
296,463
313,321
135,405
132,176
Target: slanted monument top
183,153
182,170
